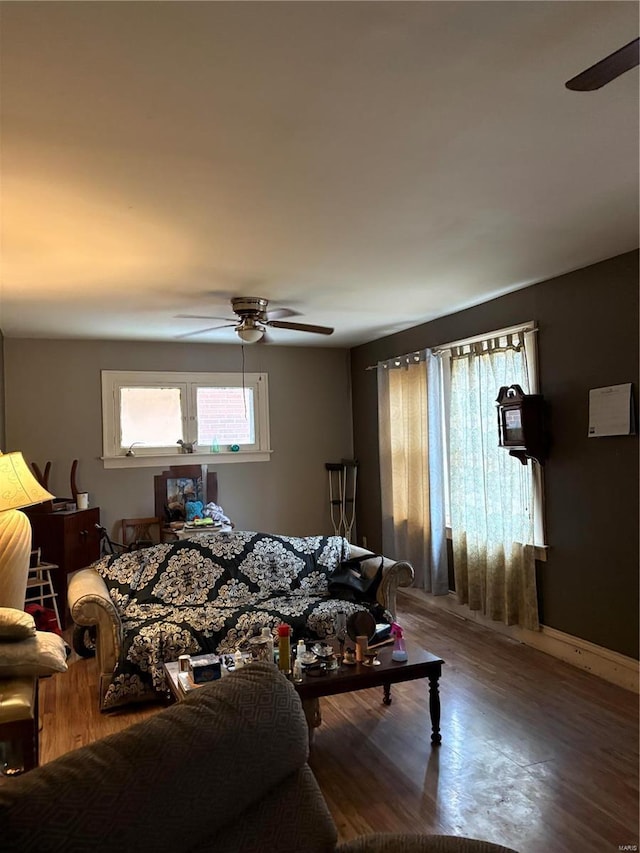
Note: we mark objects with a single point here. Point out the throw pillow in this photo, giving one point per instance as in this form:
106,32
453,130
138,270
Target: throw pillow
43,654
16,624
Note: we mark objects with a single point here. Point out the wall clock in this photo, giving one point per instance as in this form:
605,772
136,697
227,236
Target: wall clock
521,424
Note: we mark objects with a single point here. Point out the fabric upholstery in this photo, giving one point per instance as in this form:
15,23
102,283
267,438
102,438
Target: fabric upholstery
91,604
16,625
17,699
43,654
295,805
170,781
208,594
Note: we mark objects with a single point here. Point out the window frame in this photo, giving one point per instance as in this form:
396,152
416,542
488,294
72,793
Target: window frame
115,456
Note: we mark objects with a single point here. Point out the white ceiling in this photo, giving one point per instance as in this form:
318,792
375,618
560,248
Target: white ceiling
371,165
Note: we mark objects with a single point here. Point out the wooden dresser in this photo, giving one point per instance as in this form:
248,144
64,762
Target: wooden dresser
71,541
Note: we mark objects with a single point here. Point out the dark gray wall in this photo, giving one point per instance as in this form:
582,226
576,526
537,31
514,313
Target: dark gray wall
588,322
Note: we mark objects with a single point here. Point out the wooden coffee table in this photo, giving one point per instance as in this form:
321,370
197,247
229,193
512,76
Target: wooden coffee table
359,676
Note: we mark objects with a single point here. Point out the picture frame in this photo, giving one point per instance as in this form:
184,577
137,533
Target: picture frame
182,483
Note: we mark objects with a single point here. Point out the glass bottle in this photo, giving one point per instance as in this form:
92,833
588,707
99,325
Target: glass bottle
267,636
284,648
341,630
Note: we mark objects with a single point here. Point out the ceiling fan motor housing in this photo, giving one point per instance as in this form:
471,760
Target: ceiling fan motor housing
252,311
250,306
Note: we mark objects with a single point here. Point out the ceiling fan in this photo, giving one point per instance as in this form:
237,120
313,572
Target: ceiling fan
607,69
253,319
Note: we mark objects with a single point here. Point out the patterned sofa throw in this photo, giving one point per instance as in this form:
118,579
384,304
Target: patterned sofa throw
210,593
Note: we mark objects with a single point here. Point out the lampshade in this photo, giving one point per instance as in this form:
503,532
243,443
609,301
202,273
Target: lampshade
18,486
250,335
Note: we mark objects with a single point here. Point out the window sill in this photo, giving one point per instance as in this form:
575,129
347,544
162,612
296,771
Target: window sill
148,461
540,551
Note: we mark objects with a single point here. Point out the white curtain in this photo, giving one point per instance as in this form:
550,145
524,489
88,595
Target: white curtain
412,490
492,509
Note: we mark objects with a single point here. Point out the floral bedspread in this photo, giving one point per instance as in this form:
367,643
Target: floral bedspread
210,593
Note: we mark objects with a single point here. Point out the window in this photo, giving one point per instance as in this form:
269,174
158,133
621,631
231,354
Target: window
470,372
149,415
457,467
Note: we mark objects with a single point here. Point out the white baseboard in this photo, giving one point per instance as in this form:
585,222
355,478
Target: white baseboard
605,663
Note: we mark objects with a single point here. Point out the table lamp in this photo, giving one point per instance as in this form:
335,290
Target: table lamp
18,488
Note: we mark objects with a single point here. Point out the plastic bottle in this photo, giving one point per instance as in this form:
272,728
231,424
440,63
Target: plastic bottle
297,671
301,650
284,648
399,652
238,660
267,636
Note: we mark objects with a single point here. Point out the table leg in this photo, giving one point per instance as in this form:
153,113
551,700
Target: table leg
311,708
386,697
434,709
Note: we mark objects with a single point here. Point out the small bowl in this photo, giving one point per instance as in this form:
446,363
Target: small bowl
322,651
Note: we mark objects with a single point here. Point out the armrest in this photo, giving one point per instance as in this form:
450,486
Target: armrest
88,596
90,604
395,573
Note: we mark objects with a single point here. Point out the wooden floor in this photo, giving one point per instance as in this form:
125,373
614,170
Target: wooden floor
536,754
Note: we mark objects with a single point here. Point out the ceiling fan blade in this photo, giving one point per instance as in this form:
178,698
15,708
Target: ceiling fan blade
200,317
607,69
202,331
279,313
300,327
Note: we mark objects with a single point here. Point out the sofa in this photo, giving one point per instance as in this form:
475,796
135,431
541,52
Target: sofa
211,594
224,770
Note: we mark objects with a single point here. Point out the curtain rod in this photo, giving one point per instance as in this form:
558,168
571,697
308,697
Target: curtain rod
415,356
487,336
530,326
